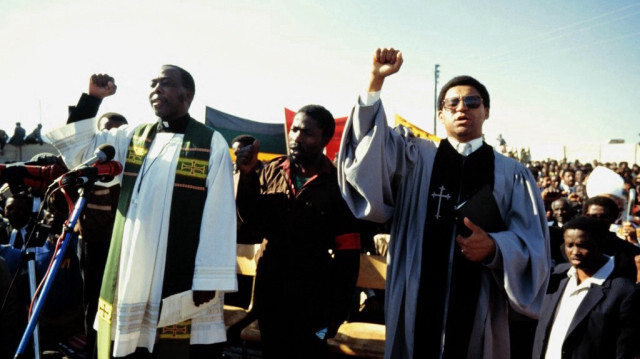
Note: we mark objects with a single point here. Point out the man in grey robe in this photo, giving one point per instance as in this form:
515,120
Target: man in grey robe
388,175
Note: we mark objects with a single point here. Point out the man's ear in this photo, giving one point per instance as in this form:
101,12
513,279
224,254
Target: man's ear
440,116
188,96
486,113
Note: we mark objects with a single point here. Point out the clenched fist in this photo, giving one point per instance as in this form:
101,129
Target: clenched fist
102,85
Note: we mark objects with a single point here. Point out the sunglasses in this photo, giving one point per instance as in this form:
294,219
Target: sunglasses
471,102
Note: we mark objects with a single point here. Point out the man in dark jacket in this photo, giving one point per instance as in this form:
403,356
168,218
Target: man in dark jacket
590,310
309,265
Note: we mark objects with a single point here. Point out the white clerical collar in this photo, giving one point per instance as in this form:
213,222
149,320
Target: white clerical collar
475,143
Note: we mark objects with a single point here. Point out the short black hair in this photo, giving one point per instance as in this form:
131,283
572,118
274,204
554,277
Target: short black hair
597,230
464,81
187,80
244,140
114,116
607,203
324,118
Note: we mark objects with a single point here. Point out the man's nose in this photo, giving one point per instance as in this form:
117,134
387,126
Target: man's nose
156,89
461,105
293,136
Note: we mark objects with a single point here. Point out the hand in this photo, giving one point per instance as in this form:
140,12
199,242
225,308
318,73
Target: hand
550,194
386,62
202,296
247,157
102,85
574,197
628,231
478,246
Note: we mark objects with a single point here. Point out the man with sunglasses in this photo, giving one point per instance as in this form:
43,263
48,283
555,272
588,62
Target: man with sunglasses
453,289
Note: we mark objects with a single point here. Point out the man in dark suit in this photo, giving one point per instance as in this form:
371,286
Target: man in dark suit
590,310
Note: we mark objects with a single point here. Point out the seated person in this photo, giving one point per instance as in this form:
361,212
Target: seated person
590,310
34,136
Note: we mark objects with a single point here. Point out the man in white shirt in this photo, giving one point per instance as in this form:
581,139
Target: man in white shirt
567,185
590,310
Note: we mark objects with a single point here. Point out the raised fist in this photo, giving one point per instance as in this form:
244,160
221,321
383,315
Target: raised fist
102,85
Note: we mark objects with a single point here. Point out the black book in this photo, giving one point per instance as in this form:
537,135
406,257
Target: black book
481,208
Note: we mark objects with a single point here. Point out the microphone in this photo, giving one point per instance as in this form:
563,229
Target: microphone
19,171
37,177
85,174
102,154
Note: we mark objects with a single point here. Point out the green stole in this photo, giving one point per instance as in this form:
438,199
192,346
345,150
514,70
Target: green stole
187,204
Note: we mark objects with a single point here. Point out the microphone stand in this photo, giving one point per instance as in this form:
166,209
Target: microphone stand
31,266
66,236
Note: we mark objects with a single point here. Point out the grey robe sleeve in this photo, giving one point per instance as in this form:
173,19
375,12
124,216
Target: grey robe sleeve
522,263
371,156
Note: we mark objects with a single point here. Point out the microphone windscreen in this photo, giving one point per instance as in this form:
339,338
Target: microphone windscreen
109,152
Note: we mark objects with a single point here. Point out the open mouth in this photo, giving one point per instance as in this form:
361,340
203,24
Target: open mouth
156,101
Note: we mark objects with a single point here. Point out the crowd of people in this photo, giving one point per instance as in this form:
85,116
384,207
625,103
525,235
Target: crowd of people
20,137
488,257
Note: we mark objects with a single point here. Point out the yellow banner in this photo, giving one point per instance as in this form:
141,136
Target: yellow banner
417,131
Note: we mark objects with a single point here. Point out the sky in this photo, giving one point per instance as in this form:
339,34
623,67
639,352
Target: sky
558,72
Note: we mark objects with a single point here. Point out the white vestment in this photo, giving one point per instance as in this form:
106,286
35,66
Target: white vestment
146,228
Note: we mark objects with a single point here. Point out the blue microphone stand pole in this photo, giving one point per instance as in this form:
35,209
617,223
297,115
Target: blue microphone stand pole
67,234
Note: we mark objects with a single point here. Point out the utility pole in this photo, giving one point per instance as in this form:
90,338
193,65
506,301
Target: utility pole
435,96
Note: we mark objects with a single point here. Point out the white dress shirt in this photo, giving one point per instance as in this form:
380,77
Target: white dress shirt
572,296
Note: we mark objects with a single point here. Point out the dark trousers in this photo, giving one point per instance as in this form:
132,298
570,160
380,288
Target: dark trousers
287,324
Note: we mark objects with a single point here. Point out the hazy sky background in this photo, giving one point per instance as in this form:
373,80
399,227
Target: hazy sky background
558,71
